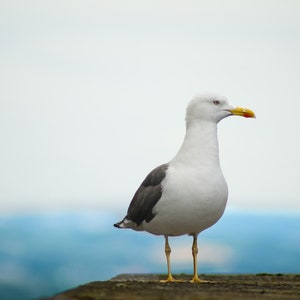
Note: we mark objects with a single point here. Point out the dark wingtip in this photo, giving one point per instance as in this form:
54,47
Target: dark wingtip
118,224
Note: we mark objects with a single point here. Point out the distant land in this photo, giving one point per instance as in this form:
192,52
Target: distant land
43,254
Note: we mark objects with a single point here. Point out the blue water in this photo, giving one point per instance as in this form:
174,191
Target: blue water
41,255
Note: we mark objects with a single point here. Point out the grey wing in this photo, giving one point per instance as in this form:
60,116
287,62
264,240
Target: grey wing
147,195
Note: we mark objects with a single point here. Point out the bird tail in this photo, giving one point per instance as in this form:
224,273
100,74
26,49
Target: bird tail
119,224
126,223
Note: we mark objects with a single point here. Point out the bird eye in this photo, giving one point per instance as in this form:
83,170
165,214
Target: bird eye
216,102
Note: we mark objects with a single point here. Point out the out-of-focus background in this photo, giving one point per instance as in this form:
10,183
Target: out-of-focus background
93,96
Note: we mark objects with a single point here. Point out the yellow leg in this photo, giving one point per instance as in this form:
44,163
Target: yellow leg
195,278
170,278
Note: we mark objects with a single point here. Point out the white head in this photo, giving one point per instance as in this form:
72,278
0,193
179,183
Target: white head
213,108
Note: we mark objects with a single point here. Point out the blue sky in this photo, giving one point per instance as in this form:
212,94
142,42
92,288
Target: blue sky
93,96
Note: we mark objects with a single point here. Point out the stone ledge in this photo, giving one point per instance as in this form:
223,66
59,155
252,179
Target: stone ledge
225,287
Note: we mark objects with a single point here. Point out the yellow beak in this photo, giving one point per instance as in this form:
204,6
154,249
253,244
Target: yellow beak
244,112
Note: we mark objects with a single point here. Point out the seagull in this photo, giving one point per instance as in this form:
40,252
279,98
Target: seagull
188,194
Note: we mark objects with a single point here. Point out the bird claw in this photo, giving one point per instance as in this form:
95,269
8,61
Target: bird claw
196,279
170,278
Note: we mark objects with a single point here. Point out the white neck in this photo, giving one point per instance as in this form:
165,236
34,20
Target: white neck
200,145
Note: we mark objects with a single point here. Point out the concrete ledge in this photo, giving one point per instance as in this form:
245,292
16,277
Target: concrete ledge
227,287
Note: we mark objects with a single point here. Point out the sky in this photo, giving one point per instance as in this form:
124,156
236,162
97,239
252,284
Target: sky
93,96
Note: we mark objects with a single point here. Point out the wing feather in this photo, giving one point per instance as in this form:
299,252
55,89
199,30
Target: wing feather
147,195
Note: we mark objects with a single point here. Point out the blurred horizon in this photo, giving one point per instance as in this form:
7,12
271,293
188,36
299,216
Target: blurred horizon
43,254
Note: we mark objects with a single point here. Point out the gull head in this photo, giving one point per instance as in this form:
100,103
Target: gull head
213,108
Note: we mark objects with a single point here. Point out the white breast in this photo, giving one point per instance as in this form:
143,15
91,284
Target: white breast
194,189
192,201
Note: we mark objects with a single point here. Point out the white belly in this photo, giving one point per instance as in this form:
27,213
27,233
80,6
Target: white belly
189,204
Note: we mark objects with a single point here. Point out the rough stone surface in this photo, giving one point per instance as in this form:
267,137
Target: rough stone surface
227,287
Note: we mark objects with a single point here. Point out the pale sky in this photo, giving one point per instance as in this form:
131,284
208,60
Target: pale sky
93,96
